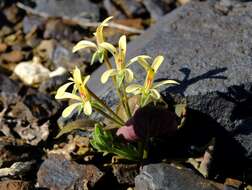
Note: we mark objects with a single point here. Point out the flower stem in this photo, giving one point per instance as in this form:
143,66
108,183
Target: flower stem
106,107
125,98
122,97
106,115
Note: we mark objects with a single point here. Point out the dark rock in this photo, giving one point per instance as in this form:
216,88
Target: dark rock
131,8
53,83
8,90
166,177
72,9
15,185
31,22
125,173
159,8
56,29
58,173
210,55
112,10
42,106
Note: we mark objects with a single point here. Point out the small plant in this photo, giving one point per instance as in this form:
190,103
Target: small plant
104,139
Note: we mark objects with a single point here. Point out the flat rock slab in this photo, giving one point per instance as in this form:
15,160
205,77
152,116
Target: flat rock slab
166,177
210,53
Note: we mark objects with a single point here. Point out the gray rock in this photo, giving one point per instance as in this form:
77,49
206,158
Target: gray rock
58,173
166,177
159,8
209,53
72,9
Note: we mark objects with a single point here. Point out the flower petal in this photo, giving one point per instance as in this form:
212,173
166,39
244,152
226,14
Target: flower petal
69,109
77,75
87,108
155,94
105,76
157,62
83,44
158,84
86,79
99,30
109,47
133,87
135,59
129,75
144,63
68,95
122,47
61,90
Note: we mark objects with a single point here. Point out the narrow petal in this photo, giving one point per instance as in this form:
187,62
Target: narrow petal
155,94
122,47
109,47
129,75
68,95
105,22
87,108
83,44
68,110
144,63
77,75
99,30
157,62
61,90
135,59
86,79
133,87
158,84
105,76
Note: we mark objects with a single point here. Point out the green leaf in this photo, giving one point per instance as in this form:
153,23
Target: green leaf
101,56
84,125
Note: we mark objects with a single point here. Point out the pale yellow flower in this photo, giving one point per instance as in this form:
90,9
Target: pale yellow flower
149,87
99,51
121,71
84,98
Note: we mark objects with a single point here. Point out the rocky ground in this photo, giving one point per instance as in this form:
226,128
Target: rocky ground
207,47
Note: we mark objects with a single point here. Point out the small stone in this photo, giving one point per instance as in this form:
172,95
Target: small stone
13,56
58,173
3,47
31,72
15,185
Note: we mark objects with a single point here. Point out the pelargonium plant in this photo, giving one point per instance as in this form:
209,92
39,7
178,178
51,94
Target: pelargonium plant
128,141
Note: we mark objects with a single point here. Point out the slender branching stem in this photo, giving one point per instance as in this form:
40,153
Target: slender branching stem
106,115
123,100
105,106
